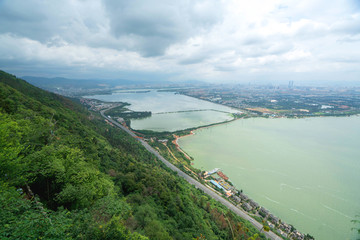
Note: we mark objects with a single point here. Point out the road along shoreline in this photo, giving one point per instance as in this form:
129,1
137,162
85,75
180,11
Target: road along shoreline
192,181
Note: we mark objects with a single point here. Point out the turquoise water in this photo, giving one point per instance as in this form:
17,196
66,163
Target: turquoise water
170,112
306,171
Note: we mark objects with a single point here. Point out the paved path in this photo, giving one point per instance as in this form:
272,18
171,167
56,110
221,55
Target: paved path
194,182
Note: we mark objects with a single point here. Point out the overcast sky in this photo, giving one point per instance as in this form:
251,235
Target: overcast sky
207,40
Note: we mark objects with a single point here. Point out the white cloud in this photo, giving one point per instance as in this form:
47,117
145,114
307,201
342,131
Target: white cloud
205,40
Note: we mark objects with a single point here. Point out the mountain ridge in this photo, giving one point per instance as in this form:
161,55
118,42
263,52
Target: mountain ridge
66,174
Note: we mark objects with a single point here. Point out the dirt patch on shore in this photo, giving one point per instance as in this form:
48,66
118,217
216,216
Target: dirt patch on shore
175,142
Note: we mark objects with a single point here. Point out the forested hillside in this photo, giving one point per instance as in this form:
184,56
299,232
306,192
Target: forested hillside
66,174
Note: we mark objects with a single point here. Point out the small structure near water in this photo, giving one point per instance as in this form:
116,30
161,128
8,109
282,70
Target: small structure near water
213,182
222,175
246,207
212,171
243,201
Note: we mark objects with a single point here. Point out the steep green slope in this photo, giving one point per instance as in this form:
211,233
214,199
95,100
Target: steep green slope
66,174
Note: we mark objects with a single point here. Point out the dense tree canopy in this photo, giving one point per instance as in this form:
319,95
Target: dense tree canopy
66,174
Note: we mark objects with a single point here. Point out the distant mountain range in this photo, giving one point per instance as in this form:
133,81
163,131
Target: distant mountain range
59,82
76,83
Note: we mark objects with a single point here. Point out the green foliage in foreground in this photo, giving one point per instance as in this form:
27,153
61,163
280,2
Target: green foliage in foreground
66,174
357,222
21,218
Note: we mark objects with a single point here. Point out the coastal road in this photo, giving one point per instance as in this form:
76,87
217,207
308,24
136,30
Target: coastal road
194,182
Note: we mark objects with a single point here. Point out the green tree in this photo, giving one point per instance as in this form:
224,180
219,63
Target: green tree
90,180
24,219
357,222
67,177
11,161
155,230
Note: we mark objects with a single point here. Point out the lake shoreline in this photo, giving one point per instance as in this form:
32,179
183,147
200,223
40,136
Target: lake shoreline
157,136
319,124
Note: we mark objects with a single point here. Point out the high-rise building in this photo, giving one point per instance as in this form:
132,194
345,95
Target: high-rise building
291,84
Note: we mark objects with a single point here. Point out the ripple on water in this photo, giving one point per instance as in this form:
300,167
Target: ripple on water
271,200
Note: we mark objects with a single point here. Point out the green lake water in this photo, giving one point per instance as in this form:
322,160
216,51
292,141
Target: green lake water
170,111
305,171
160,102
180,120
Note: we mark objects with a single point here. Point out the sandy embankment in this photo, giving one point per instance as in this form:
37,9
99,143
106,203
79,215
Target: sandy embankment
175,142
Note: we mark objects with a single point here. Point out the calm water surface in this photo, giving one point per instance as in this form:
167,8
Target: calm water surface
168,110
306,171
160,102
179,120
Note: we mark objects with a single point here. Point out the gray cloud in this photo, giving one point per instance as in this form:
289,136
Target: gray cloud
349,26
193,59
252,39
188,39
78,22
154,26
142,26
22,18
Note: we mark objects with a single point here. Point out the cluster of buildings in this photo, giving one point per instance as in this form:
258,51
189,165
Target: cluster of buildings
284,229
95,105
282,101
220,181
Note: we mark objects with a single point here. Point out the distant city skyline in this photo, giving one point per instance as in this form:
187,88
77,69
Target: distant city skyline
212,41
